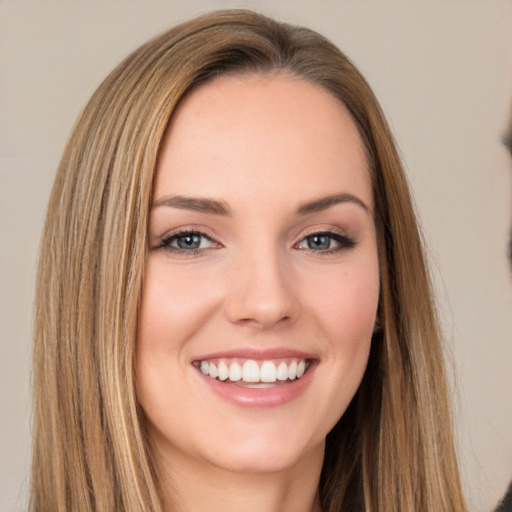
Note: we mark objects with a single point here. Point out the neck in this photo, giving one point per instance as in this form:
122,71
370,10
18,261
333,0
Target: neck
197,486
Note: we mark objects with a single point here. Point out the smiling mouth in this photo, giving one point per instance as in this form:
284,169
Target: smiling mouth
250,373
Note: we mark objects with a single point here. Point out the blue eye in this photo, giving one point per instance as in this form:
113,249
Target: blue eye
184,242
327,242
319,242
189,241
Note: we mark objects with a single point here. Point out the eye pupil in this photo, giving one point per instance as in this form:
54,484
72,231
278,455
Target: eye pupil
319,242
190,241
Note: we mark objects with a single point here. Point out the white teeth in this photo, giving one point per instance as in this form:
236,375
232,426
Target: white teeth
213,372
235,372
282,371
301,368
252,373
292,370
223,371
268,372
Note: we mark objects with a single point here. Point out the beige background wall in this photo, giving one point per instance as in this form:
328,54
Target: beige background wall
443,72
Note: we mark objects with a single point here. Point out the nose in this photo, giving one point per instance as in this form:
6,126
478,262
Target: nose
261,292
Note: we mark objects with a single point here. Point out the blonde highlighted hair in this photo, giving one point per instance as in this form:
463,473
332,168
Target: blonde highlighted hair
393,448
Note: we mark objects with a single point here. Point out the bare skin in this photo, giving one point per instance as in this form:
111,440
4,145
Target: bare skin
262,252
223,491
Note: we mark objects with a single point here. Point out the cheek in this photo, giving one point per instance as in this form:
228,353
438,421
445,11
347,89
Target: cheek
347,313
344,312
172,303
347,306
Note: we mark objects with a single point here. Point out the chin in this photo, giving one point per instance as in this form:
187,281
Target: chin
250,448
264,447
259,458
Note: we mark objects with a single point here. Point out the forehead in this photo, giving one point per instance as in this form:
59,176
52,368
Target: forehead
255,129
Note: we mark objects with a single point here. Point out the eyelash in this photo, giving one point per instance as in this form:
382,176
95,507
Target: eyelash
166,243
343,241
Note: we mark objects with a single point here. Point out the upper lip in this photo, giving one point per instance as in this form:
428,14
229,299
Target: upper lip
257,354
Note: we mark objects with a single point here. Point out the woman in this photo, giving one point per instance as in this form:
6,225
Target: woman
233,309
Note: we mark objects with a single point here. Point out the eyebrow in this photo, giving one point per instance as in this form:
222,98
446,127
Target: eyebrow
220,207
323,203
198,204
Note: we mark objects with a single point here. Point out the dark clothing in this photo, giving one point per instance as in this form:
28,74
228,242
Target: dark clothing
505,505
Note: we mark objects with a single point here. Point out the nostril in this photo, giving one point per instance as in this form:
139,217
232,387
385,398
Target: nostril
263,322
261,295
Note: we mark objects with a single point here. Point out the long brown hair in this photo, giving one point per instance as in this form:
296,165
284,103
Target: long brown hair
393,448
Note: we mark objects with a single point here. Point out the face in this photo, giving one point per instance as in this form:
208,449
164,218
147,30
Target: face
262,278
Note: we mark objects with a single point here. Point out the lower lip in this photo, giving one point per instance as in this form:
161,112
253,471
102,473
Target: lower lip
260,398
